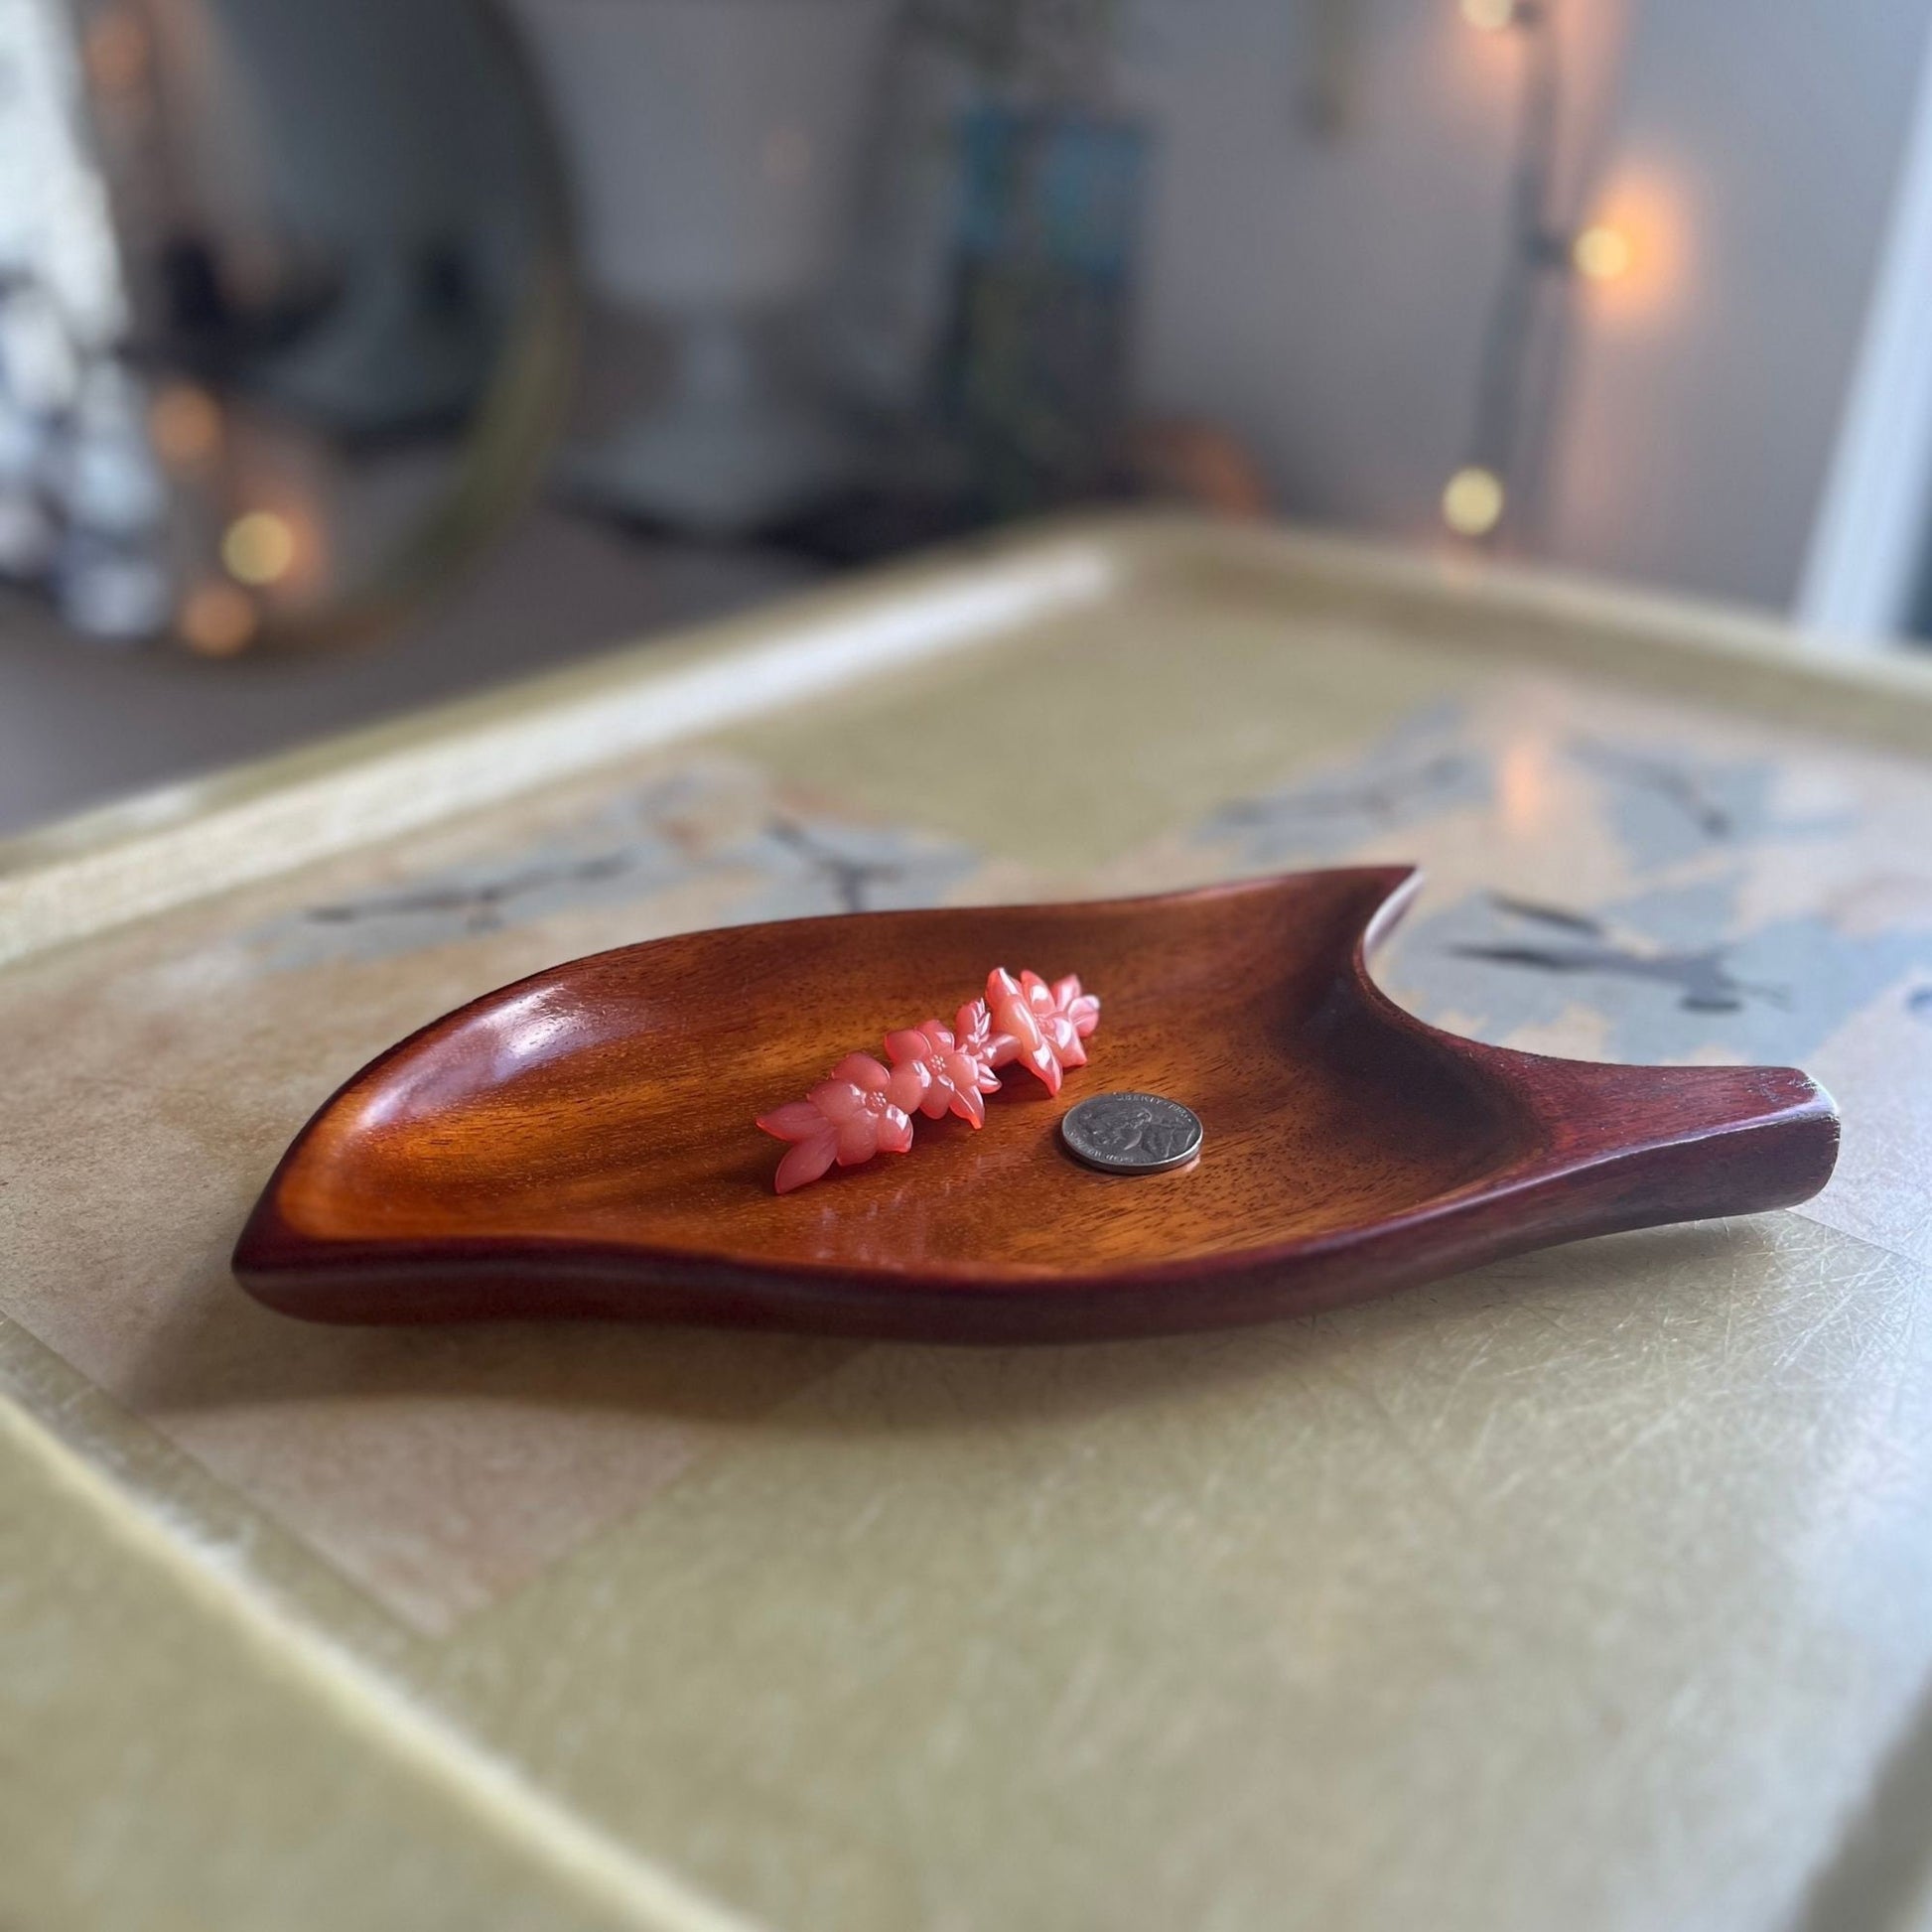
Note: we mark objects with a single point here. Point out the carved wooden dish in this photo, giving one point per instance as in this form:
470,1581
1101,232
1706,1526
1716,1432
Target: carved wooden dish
581,1143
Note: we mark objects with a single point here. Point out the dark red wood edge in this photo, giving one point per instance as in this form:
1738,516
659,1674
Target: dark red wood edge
1735,1140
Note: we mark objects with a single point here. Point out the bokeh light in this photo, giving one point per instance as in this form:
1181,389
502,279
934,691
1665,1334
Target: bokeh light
1472,501
183,424
114,52
258,547
217,621
1602,252
1491,16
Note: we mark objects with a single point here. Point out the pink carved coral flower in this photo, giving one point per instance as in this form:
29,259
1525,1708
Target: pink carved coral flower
956,1061
1044,1025
859,1109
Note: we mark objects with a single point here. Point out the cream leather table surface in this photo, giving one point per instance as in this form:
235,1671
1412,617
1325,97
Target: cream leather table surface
1592,1590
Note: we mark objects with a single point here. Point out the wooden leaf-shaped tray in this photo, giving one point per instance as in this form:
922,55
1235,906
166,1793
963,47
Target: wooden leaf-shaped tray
581,1143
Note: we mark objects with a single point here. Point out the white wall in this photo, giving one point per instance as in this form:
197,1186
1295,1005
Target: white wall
1867,570
1326,297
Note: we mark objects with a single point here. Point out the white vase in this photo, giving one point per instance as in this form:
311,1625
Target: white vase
713,144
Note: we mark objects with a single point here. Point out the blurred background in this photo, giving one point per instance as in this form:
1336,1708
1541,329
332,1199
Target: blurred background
356,355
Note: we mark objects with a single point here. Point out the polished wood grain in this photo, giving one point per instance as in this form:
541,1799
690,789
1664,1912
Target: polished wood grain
581,1143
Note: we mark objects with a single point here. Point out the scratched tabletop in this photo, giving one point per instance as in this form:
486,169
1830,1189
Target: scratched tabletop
1593,1588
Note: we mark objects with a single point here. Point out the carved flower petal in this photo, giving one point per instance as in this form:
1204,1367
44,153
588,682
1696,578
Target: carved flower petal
909,1085
908,1043
1006,1004
805,1162
1041,1061
837,1100
863,1071
798,1120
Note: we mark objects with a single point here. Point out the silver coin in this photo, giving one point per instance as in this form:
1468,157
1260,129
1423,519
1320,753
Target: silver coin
1132,1133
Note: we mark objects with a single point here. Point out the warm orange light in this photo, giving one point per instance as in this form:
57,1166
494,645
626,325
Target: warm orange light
1524,790
1491,16
115,52
1472,501
183,424
1636,246
216,620
258,547
1602,252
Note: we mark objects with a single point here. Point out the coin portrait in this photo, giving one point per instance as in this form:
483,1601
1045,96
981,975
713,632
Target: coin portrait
1132,1133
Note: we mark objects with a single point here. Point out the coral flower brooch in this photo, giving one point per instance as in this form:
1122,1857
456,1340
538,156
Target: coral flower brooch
863,1107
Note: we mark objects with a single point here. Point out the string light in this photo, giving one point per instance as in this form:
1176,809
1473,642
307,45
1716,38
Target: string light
1474,500
216,620
258,547
1602,252
1542,244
